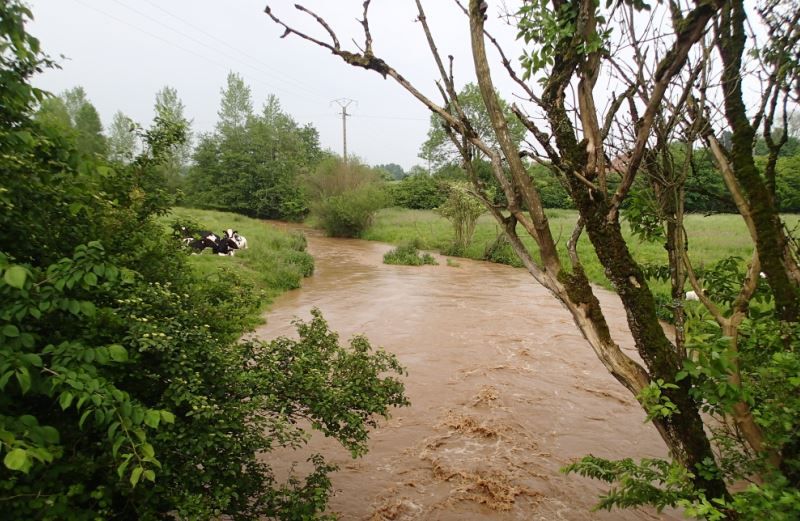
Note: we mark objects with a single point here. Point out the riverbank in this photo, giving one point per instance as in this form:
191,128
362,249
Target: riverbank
274,262
711,239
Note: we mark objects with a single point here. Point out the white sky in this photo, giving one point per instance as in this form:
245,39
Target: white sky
123,51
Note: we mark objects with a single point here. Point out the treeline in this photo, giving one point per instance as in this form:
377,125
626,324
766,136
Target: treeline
253,163
705,188
125,392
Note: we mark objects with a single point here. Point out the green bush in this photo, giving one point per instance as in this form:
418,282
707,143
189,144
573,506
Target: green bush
345,197
462,209
420,192
408,255
501,252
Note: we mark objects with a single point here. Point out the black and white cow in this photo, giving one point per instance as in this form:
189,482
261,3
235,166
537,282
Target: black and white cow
240,240
207,240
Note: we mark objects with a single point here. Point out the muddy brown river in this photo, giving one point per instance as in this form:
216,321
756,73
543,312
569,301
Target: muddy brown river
504,391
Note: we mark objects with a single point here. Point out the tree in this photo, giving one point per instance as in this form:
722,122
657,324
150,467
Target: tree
169,108
122,139
258,158
462,210
395,171
604,159
125,391
53,111
236,107
439,150
74,99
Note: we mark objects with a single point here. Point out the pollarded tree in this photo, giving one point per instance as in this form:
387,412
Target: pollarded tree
603,156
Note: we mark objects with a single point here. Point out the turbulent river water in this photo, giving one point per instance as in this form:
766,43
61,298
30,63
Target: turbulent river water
504,391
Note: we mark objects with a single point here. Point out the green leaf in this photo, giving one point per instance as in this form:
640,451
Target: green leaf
150,475
24,379
50,434
15,276
117,353
65,399
17,459
167,417
85,415
10,330
4,379
151,418
90,279
32,359
88,308
135,475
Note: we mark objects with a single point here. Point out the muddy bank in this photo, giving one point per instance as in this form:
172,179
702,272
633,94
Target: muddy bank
504,391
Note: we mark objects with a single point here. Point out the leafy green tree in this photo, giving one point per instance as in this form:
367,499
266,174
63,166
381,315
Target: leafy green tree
169,108
462,209
74,99
122,139
236,106
53,112
125,392
89,131
439,150
252,163
395,171
419,191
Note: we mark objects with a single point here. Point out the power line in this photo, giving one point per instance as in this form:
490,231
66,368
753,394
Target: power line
256,59
294,84
371,116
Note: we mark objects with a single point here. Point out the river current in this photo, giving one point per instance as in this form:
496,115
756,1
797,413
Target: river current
504,391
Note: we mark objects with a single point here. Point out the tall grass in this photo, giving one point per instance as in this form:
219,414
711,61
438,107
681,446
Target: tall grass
274,262
711,238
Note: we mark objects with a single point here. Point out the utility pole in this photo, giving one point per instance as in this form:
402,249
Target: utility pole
344,103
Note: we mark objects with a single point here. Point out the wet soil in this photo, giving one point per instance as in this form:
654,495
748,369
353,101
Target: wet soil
504,391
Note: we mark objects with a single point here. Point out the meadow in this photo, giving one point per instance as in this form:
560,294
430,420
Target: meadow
275,260
711,238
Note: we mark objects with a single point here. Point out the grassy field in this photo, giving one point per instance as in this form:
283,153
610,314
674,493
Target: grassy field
274,262
711,238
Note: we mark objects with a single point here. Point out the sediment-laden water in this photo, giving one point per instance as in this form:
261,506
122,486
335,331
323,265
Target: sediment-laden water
504,391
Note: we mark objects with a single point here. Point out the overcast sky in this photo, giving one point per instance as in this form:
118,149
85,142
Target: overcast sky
123,51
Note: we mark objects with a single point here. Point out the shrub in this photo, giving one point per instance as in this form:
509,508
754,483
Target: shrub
501,252
345,197
419,192
408,255
462,210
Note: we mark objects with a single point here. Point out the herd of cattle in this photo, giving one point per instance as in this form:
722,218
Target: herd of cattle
227,244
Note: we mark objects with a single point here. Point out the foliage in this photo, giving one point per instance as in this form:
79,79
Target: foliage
345,197
394,170
252,163
421,191
501,252
122,139
125,391
169,108
462,209
439,151
550,188
408,255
